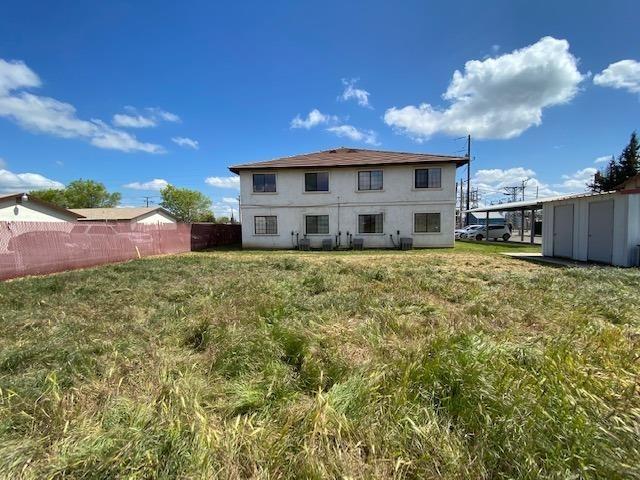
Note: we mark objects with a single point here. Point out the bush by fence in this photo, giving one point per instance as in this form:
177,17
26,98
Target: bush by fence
33,248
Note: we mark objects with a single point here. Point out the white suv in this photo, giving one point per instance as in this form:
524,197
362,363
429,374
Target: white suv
479,232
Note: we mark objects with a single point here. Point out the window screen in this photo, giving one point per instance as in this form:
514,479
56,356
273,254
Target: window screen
427,223
428,178
316,182
266,225
370,223
370,180
264,182
317,224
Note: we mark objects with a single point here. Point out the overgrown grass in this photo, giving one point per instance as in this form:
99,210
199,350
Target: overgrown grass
422,364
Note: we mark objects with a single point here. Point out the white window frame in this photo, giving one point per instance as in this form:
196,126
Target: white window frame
317,215
255,234
413,221
369,213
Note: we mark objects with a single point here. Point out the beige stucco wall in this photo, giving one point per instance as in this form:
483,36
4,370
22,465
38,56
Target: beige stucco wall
154,218
398,201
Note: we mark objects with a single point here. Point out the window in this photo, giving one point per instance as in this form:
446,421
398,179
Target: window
370,180
370,223
264,182
426,223
316,224
316,182
428,178
266,225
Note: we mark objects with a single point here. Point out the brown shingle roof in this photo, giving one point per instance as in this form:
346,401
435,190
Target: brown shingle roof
349,157
125,213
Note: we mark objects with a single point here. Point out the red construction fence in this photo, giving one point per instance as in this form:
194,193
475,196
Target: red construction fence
35,248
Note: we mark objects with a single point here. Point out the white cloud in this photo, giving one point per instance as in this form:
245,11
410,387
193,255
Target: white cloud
351,92
186,142
495,48
314,118
156,184
47,115
498,97
18,182
602,159
229,200
349,131
133,121
3,163
624,74
578,181
222,209
151,117
224,182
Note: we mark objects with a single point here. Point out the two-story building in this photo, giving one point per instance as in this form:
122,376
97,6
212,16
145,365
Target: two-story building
347,194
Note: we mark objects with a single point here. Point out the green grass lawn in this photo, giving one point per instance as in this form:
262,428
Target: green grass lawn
456,363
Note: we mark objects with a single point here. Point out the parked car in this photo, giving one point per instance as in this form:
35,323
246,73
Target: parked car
461,232
479,232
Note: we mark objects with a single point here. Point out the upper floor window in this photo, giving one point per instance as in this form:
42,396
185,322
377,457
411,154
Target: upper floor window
370,223
428,178
265,225
316,182
264,182
370,180
315,224
426,223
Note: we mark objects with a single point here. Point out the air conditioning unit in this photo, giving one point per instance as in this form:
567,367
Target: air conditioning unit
358,243
327,244
304,244
406,243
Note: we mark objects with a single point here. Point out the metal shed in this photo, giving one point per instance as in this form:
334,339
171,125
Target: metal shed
594,227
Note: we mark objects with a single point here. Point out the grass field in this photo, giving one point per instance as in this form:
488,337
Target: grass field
425,364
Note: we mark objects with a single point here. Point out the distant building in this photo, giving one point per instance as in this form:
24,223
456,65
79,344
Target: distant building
145,215
22,207
495,218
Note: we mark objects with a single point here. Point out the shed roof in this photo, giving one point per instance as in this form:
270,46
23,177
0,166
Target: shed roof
124,213
349,157
534,204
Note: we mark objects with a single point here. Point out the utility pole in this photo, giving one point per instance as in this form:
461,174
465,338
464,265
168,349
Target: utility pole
147,200
468,176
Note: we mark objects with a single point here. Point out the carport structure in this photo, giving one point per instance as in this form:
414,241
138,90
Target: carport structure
523,207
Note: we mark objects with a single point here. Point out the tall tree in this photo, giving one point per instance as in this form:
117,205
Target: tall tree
630,158
80,194
185,204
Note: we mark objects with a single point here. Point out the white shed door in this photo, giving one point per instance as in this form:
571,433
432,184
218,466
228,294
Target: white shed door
600,231
563,231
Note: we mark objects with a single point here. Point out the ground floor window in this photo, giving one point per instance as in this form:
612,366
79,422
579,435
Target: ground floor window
426,223
266,225
370,223
315,224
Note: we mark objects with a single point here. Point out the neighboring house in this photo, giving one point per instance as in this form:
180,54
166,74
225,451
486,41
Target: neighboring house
21,207
145,215
349,193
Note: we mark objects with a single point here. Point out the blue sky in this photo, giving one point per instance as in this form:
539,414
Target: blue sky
129,92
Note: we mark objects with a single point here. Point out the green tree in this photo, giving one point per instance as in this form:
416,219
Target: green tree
222,219
616,172
80,194
185,204
629,159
